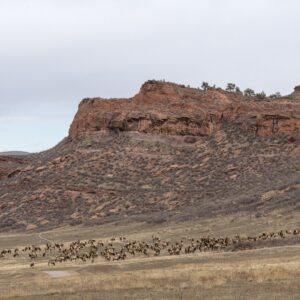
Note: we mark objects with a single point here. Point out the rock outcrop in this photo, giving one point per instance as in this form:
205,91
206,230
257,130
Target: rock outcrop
296,94
173,109
170,153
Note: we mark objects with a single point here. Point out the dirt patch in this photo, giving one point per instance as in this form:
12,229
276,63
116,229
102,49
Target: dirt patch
58,274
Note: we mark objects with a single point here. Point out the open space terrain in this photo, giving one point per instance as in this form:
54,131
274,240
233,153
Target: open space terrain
149,150
266,269
176,193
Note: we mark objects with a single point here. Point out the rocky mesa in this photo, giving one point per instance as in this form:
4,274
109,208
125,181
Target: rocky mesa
169,108
170,153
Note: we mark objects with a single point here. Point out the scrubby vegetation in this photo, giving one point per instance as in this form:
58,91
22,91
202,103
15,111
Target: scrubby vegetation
230,87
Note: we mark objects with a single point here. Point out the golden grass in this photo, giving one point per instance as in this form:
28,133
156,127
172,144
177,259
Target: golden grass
193,273
272,273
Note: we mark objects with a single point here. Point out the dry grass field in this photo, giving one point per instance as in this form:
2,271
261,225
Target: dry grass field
266,272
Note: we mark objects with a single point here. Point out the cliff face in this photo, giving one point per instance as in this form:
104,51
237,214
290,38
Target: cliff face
172,109
180,153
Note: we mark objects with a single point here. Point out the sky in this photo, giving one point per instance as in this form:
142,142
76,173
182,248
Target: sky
53,53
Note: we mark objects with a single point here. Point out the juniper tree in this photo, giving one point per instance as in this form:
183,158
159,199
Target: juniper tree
249,93
230,87
275,96
205,86
261,95
237,90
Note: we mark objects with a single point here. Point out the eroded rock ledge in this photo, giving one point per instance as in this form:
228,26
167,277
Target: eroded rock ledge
173,109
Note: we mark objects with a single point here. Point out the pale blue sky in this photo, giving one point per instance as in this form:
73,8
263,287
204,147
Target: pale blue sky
55,52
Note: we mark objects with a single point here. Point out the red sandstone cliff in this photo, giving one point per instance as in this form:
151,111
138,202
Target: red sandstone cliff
155,173
177,110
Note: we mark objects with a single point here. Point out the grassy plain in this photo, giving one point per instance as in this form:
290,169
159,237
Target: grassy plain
262,273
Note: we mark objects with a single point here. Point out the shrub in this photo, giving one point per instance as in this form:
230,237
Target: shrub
205,86
261,95
237,90
230,87
275,96
249,93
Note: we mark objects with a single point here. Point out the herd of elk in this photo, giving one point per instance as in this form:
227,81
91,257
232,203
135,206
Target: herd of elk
120,249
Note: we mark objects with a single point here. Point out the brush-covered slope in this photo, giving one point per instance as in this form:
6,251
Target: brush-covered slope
168,153
11,163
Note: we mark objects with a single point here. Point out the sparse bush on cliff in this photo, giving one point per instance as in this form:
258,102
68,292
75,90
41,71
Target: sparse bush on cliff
249,93
205,86
230,87
237,90
261,95
275,96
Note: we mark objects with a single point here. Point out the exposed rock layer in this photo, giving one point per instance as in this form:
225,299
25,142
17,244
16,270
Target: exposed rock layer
169,153
176,110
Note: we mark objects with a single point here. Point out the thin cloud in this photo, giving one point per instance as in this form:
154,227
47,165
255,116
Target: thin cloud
17,119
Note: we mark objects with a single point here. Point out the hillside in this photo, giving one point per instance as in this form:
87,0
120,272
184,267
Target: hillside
10,163
14,153
169,153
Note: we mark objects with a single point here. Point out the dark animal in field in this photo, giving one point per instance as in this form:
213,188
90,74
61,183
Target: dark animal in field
51,262
117,249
